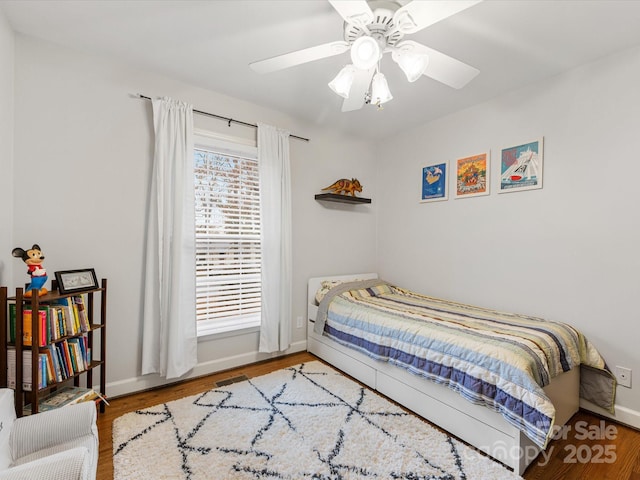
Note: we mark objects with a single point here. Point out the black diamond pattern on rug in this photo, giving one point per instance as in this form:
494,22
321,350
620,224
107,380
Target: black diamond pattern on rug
303,422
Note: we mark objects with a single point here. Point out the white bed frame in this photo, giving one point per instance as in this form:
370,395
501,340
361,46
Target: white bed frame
484,429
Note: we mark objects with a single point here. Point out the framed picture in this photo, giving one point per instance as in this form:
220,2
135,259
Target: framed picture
434,183
521,167
71,281
472,176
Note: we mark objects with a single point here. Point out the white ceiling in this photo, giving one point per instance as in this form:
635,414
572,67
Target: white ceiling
210,44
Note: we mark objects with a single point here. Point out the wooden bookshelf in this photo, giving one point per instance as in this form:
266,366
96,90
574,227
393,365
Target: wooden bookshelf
78,351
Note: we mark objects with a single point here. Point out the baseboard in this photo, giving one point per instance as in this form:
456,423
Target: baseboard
623,415
146,382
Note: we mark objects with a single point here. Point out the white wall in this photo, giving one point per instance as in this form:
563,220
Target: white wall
568,252
82,156
83,150
6,147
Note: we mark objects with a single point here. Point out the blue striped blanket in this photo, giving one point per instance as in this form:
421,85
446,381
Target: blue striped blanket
500,360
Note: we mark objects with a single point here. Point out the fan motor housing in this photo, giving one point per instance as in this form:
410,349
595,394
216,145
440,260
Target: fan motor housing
380,26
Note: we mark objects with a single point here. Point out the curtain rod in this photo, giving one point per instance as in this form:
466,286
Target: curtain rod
227,119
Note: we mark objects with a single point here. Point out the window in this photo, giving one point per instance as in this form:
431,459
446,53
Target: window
228,250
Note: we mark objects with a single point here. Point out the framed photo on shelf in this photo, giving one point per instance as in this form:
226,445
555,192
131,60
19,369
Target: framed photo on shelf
70,281
521,167
434,183
472,176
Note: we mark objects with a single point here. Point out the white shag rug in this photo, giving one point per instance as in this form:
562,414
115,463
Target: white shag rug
302,422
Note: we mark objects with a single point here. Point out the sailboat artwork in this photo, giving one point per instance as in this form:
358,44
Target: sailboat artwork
521,167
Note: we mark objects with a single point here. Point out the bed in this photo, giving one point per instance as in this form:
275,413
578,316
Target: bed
495,408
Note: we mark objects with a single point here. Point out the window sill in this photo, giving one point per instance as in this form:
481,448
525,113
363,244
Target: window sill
206,334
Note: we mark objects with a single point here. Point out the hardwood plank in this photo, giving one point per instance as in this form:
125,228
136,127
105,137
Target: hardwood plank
572,456
590,447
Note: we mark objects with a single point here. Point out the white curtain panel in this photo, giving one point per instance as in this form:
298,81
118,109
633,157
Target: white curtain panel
275,210
169,344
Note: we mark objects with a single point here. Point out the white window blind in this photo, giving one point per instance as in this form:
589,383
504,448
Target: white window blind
228,251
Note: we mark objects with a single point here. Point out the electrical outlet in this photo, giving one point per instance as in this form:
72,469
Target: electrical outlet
623,375
299,322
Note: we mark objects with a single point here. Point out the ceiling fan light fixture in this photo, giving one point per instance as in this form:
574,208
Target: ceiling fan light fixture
412,64
380,92
341,84
365,52
372,28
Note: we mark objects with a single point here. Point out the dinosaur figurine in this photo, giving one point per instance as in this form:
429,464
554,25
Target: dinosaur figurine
345,185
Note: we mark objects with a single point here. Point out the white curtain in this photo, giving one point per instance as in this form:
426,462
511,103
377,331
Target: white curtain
275,210
169,344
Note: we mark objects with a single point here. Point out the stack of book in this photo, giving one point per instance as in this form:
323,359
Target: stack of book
66,318
56,362
67,396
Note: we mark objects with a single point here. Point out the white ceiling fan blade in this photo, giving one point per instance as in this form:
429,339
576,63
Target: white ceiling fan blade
359,88
441,67
299,57
354,12
419,14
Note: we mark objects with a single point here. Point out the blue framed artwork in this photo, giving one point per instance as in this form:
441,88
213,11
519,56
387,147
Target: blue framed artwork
434,183
521,167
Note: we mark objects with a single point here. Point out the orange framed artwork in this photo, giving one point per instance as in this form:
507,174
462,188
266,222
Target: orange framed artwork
472,176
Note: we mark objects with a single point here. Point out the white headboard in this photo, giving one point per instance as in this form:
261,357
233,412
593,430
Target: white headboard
314,284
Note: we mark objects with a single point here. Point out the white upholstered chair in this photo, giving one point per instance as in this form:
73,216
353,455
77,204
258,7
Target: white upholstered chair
54,445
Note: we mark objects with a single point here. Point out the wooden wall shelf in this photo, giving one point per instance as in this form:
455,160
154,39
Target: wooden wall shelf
335,197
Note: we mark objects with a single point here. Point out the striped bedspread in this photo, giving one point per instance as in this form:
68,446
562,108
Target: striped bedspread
501,360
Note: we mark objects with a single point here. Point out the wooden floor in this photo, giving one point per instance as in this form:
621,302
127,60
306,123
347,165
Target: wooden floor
589,448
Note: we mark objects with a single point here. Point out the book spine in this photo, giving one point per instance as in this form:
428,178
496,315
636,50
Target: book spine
62,359
11,367
67,353
44,337
76,318
26,371
12,323
27,334
42,370
82,312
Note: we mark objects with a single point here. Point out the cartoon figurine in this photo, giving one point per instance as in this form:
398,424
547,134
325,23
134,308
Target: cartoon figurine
33,258
345,185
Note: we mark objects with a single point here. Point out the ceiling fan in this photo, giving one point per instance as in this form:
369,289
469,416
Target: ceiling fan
372,29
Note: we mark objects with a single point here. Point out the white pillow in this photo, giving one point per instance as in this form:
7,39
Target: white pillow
325,286
7,417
